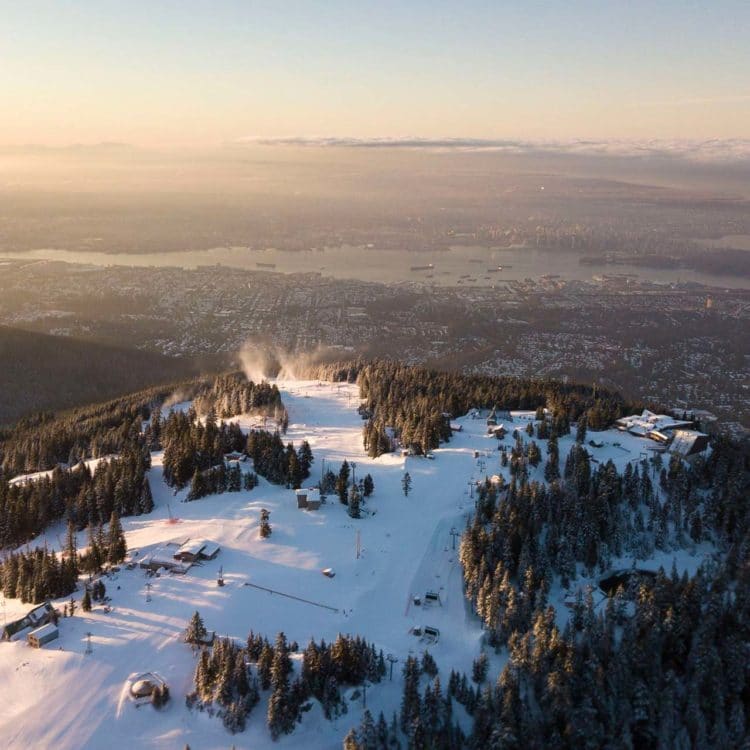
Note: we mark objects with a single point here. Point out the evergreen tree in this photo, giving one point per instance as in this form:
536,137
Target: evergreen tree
117,547
406,483
581,429
368,486
354,502
196,630
342,483
479,668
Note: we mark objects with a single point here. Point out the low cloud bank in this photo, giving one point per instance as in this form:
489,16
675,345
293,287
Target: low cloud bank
709,150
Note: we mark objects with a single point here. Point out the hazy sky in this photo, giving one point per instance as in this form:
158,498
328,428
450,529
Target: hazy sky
188,72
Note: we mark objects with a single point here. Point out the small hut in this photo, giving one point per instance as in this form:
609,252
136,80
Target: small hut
313,499
37,638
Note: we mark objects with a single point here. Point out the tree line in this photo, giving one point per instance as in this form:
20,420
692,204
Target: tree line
230,678
195,451
418,403
40,574
118,485
233,393
629,670
43,441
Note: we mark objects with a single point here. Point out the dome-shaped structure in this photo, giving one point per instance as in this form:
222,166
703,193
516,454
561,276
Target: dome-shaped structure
142,688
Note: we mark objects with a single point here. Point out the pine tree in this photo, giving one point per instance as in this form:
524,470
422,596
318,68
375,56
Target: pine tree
342,483
196,629
146,498
429,666
354,502
305,456
552,467
117,547
479,668
351,741
367,486
581,429
86,600
406,483
410,701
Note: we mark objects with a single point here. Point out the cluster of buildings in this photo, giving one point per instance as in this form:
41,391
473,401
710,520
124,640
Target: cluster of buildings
37,626
178,558
674,435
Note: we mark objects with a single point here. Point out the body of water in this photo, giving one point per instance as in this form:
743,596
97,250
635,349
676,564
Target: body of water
738,241
458,266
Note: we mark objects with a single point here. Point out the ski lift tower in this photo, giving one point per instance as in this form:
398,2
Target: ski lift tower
454,534
391,660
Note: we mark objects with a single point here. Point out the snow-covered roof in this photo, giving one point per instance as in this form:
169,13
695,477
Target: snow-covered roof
44,631
210,549
191,547
311,493
684,441
162,557
642,424
142,688
39,613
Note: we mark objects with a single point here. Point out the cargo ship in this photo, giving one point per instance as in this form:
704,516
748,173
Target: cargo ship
265,265
428,267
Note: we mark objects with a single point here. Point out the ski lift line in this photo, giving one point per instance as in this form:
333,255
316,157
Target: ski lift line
291,596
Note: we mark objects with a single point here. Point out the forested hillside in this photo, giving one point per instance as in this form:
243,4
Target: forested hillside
656,660
418,403
41,372
663,664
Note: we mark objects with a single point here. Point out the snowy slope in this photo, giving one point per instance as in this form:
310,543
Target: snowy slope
406,550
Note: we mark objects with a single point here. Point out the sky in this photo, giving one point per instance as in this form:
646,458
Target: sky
190,73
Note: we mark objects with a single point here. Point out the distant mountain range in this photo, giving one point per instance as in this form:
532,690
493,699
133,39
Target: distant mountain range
43,372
